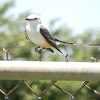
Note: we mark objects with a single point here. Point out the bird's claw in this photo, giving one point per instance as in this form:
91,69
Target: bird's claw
40,51
36,49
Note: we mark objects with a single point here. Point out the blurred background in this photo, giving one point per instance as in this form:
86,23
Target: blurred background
74,21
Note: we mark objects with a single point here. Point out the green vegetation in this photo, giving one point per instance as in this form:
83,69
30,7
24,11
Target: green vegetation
12,37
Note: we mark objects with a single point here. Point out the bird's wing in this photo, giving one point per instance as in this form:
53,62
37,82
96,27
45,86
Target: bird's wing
26,35
45,33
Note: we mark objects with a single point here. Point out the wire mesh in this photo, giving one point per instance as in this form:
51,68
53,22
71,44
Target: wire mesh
52,83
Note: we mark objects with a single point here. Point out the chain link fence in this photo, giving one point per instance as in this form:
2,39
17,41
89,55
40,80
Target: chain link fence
52,83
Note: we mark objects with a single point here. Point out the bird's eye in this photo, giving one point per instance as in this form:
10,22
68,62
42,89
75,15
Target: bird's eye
35,18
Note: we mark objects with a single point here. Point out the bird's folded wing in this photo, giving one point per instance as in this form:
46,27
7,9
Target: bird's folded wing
45,33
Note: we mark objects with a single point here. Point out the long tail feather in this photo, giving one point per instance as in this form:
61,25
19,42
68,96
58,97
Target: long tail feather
75,44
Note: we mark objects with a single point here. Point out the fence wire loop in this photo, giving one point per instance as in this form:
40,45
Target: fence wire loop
71,97
6,53
95,59
39,98
7,98
66,58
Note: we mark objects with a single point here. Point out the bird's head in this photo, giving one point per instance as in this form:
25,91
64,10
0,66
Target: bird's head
33,19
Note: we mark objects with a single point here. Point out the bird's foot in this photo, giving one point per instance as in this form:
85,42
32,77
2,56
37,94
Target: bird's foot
40,51
39,54
36,49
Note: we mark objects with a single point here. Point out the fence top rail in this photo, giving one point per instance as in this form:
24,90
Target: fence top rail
35,70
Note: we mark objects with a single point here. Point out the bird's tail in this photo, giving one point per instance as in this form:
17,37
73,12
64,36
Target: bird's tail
75,44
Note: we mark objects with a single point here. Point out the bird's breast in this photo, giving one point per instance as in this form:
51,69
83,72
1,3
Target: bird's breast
37,38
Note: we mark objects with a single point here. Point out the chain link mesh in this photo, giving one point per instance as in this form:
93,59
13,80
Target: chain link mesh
52,83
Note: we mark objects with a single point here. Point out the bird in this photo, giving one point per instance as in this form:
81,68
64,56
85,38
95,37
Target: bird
40,36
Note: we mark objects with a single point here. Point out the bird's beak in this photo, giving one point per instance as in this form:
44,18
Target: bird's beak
27,19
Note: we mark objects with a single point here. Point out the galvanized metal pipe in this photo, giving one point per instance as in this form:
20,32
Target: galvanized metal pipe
34,70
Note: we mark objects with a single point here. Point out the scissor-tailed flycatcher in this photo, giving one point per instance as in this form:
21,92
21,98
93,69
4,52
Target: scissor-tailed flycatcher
40,36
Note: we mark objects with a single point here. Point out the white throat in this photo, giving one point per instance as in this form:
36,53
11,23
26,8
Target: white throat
34,23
